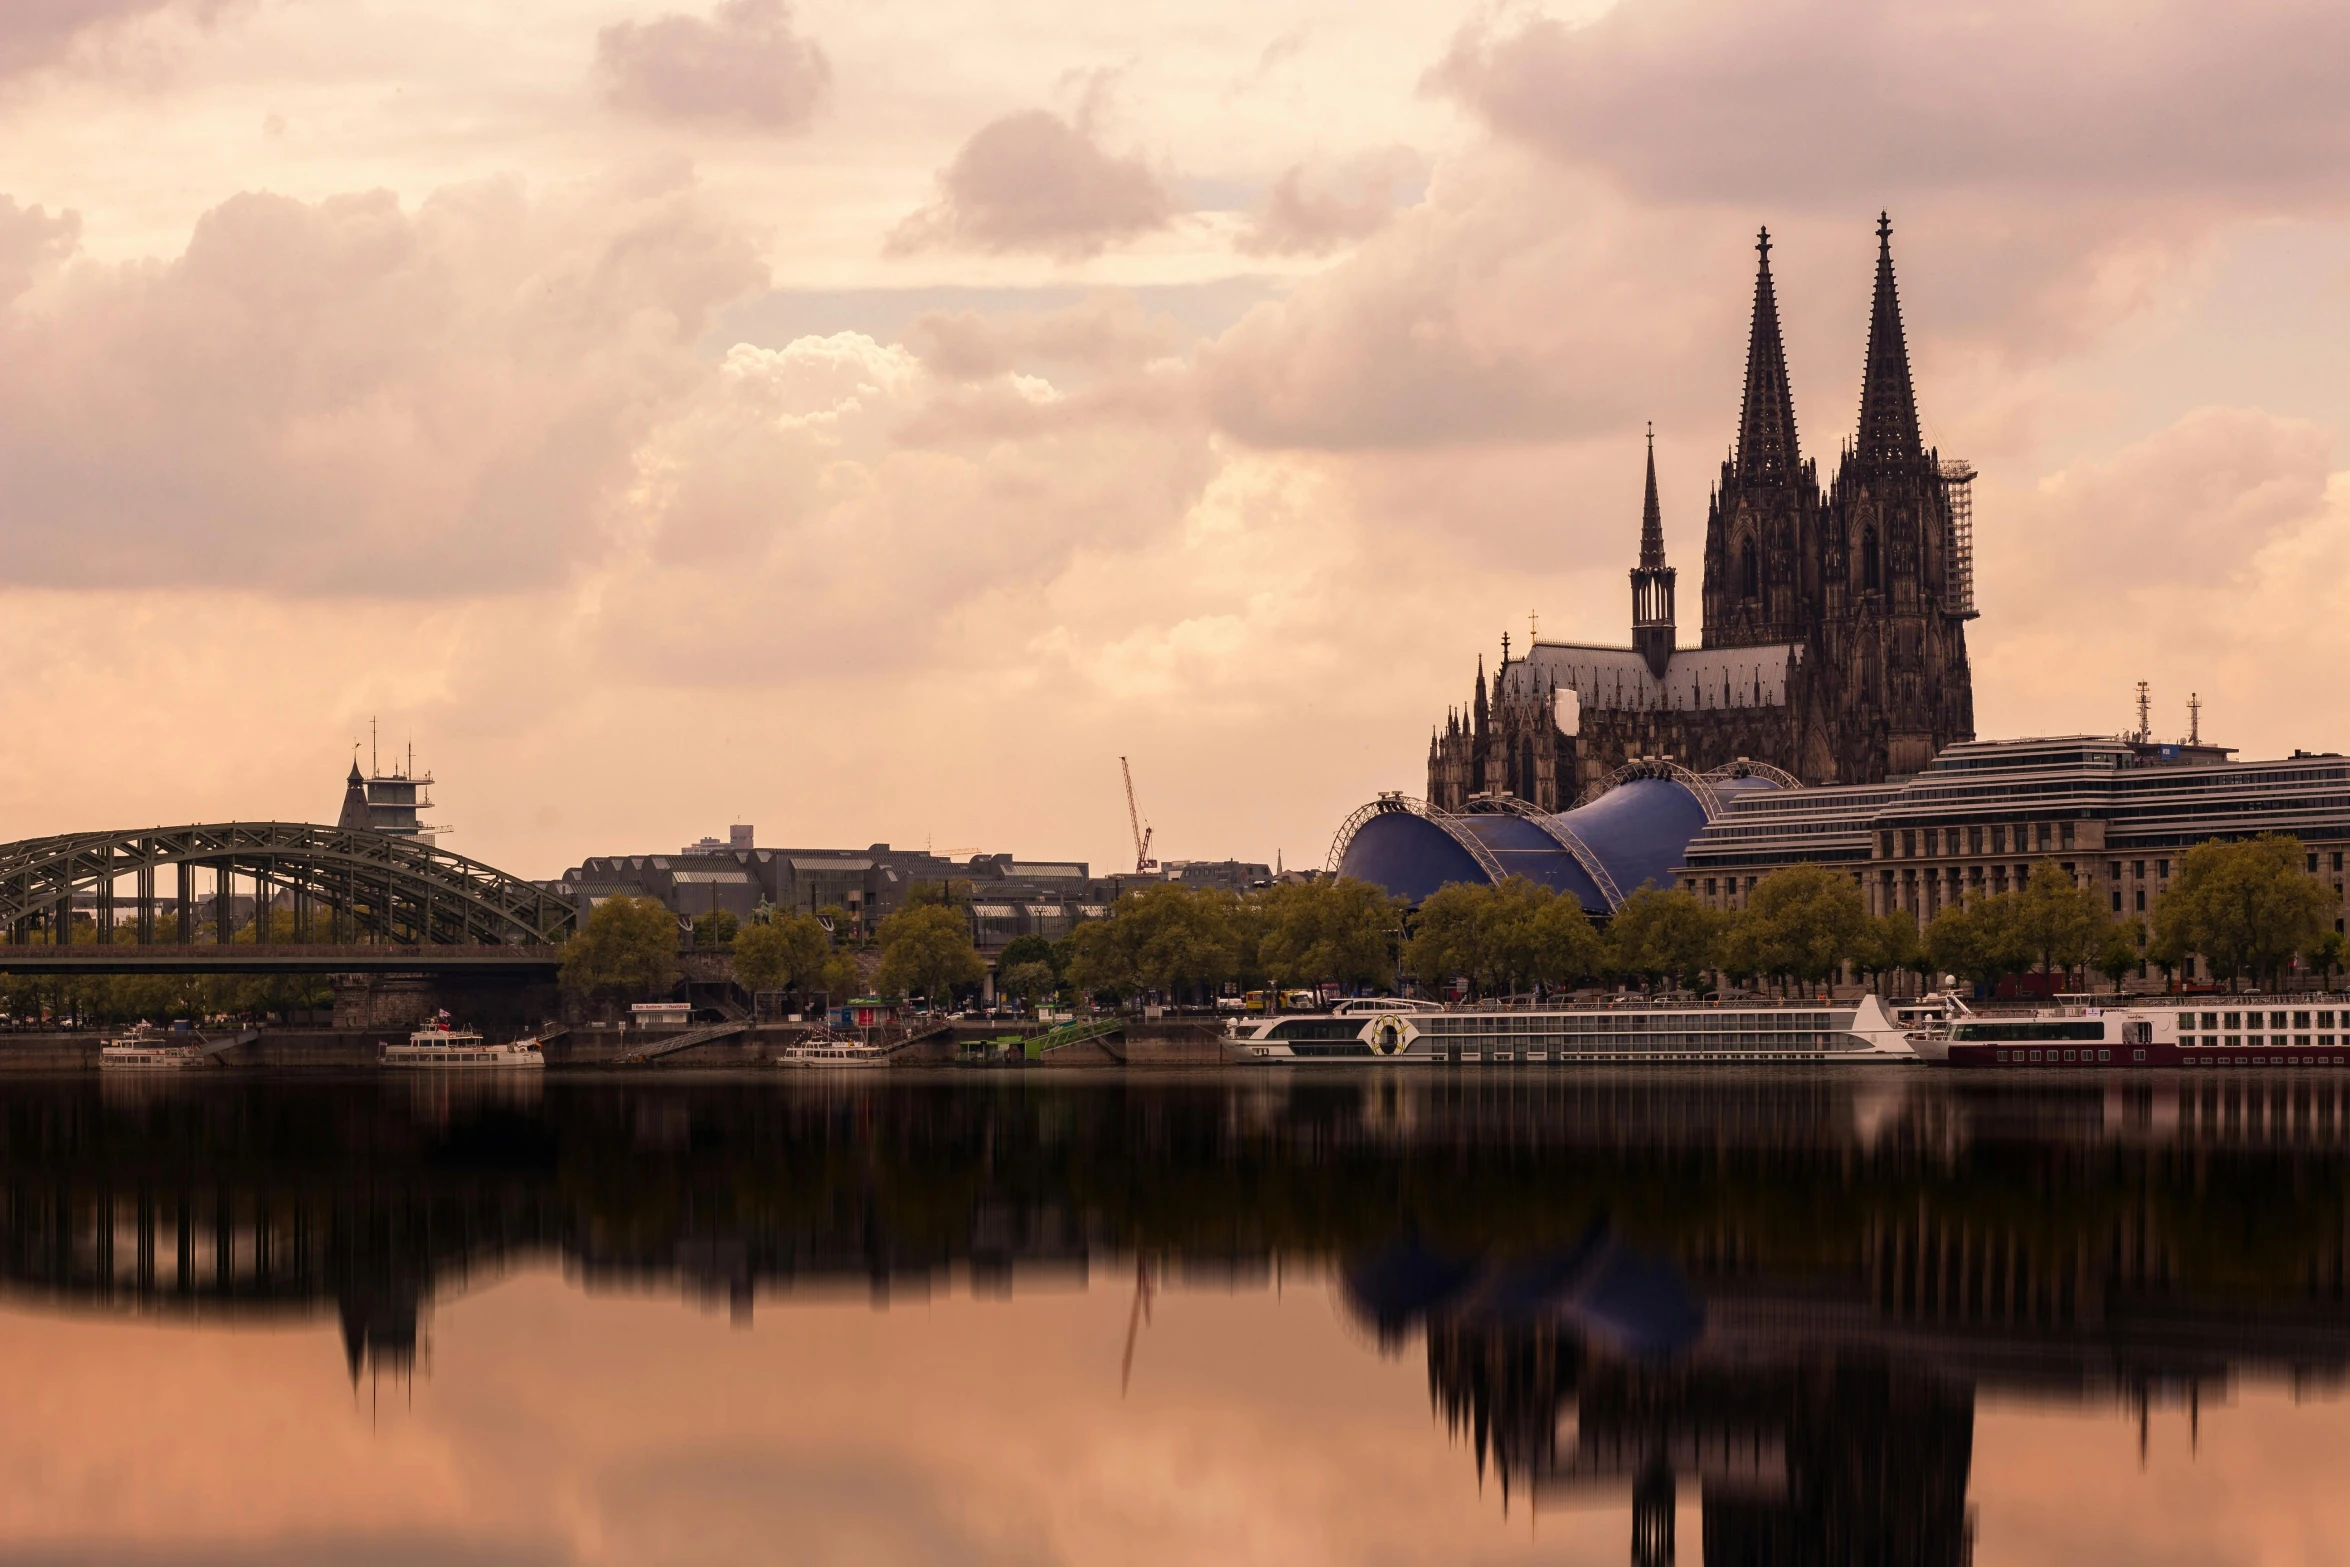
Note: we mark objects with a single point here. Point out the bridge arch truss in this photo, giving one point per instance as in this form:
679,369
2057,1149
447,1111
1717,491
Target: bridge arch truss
340,885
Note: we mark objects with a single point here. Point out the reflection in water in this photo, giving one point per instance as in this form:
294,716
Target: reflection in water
1781,1294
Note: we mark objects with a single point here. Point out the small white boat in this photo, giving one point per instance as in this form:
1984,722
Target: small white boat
438,1045
831,1050
147,1048
1927,1019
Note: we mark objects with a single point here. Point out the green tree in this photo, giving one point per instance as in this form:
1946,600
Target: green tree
1448,936
1165,937
2121,947
2246,906
1502,938
1660,935
627,951
1800,923
1891,943
926,951
1100,963
1567,950
1031,949
2327,954
2057,922
783,952
1025,983
1338,932
1977,941
841,978
953,893
715,929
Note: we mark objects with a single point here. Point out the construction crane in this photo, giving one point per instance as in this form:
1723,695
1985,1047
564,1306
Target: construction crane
1143,863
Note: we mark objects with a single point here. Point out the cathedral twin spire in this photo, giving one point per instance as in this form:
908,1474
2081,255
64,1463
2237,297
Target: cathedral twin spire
1767,445
1888,406
1767,449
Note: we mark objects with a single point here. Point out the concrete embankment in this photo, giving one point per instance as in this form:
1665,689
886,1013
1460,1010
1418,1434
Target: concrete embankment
1139,1044
1154,1042
356,1047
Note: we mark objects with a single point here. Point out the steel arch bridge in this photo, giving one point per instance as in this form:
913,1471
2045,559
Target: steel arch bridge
342,886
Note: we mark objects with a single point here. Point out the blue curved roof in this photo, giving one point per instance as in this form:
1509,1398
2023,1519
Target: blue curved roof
1639,831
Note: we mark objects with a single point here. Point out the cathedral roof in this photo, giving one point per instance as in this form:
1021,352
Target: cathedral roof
1888,405
1694,678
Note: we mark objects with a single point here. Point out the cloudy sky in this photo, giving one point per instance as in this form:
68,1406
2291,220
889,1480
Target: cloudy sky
870,421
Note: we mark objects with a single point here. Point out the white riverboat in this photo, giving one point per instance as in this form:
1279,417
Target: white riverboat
438,1045
147,1048
830,1050
1927,1020
1823,1033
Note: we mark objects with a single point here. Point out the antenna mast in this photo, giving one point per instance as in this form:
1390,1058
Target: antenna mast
1143,863
2145,724
2194,718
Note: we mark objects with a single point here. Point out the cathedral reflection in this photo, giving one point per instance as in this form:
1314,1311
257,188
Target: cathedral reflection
1775,1298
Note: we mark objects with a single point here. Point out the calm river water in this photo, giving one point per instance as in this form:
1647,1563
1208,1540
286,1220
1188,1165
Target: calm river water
1272,1317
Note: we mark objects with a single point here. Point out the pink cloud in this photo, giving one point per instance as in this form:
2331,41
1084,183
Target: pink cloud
1313,212
39,32
347,396
743,65
1035,182
1835,104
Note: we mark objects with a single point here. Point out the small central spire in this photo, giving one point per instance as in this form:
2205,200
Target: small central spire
1652,579
1652,517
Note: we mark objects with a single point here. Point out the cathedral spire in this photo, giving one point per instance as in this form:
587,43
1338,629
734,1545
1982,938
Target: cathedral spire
1652,580
1766,419
1652,517
1888,406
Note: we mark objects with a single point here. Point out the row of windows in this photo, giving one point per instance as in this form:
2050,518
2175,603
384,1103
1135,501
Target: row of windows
2312,1059
2254,1041
2082,1057
2214,1020
1928,842
1727,1020
1535,1046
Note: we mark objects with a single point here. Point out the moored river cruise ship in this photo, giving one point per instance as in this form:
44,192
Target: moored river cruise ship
438,1045
2216,1032
1845,1033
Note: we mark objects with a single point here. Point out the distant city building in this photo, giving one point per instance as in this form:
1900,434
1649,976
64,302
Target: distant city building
389,802
1009,896
2118,814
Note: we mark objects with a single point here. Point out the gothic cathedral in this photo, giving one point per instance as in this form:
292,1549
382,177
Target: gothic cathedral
1834,641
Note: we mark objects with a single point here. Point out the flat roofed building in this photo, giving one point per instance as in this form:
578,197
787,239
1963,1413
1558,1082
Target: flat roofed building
2119,815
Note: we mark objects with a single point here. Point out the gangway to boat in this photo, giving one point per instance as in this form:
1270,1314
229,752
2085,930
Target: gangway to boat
653,1050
